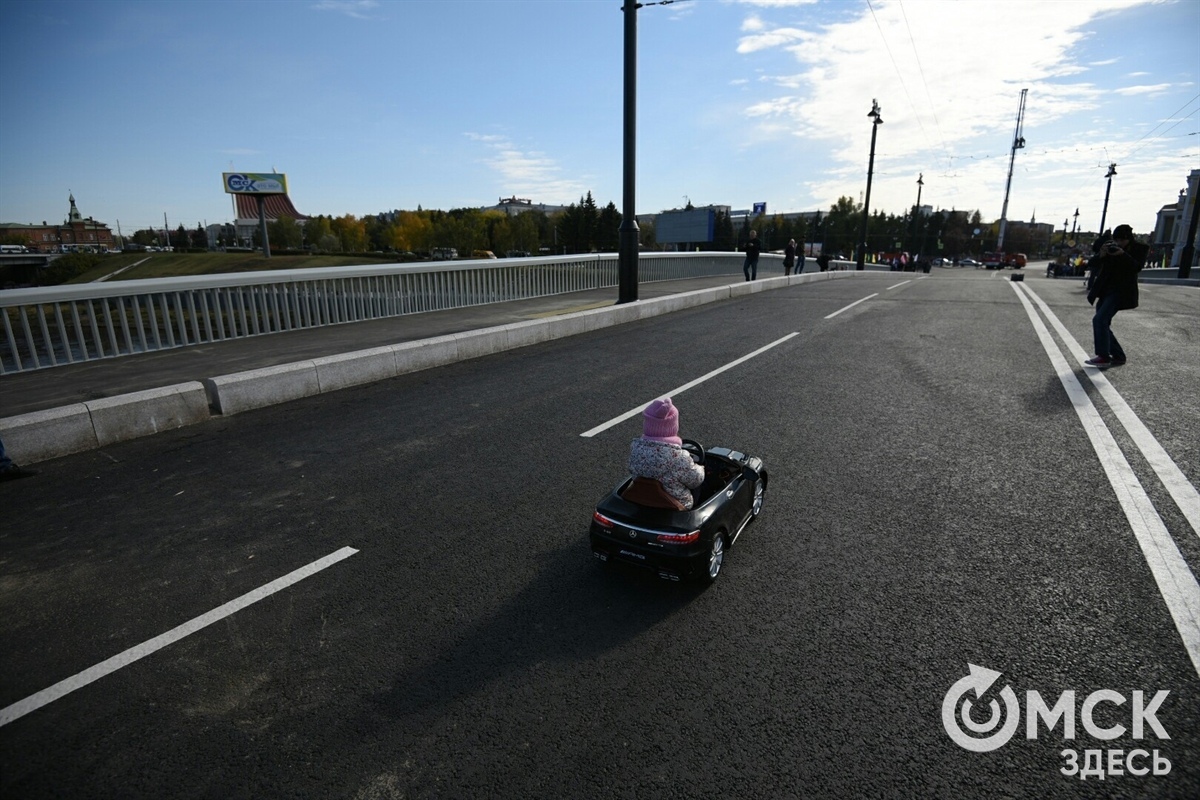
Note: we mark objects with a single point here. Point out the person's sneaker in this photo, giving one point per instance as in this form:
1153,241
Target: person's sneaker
15,472
1099,361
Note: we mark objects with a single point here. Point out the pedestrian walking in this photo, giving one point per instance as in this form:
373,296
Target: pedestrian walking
800,257
1114,288
789,257
823,262
750,265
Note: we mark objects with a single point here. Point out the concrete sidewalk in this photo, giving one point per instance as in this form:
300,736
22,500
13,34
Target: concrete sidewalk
54,387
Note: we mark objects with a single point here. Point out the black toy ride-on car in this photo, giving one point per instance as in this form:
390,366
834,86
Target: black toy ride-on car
638,524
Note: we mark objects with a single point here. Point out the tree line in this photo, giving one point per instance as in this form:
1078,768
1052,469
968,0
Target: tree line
585,227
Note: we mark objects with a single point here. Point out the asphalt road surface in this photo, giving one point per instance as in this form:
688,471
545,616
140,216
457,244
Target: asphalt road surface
943,493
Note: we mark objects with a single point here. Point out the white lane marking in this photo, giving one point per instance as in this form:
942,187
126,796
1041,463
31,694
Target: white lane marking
888,289
852,305
680,390
1175,581
64,687
1181,490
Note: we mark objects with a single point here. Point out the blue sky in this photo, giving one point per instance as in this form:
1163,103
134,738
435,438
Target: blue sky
137,107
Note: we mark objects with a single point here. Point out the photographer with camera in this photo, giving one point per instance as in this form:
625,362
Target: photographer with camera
1114,288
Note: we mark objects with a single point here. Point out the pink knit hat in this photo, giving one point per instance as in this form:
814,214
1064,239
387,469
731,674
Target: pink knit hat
660,422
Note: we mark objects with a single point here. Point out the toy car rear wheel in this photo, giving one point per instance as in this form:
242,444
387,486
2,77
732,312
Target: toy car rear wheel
716,559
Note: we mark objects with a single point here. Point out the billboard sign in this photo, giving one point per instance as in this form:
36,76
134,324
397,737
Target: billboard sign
254,183
685,227
760,209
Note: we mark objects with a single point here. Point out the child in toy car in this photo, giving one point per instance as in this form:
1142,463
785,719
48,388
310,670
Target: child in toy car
659,455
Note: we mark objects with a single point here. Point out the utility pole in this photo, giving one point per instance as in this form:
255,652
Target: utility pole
1018,143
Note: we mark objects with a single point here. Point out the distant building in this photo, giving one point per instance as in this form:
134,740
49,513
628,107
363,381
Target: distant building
518,205
245,212
76,233
1171,227
1033,236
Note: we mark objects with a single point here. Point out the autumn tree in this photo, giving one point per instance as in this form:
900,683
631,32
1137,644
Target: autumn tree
285,234
350,232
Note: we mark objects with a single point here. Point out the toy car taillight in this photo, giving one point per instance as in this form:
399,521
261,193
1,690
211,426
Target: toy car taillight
679,538
602,520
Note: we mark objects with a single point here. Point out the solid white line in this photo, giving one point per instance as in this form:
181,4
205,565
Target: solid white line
888,289
852,305
639,409
1181,490
64,687
1170,571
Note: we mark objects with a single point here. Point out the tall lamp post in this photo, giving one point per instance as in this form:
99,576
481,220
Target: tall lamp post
876,121
917,215
1112,170
627,257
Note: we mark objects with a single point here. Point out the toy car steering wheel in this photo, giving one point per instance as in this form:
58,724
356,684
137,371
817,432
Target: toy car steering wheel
693,447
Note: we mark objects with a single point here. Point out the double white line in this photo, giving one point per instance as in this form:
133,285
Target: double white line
1176,582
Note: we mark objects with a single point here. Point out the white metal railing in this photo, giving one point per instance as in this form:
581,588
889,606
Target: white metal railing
47,327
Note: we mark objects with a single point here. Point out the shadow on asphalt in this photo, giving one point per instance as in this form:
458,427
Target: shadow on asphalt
1051,398
571,611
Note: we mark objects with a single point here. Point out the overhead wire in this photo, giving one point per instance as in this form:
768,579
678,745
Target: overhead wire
921,68
896,67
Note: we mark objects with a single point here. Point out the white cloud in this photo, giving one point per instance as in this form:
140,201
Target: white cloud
1156,88
357,9
528,173
764,39
776,3
949,94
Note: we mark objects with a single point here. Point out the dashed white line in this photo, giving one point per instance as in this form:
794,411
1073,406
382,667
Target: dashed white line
64,687
896,286
852,305
639,409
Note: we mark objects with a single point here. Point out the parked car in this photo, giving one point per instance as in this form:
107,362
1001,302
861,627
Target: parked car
969,262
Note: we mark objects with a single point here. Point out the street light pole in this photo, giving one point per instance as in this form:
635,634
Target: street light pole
1112,170
876,121
627,258
917,214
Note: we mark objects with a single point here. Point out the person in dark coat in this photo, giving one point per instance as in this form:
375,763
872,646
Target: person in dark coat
750,265
789,257
1114,288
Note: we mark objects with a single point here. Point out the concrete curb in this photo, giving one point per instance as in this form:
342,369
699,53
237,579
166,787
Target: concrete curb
130,416
42,435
